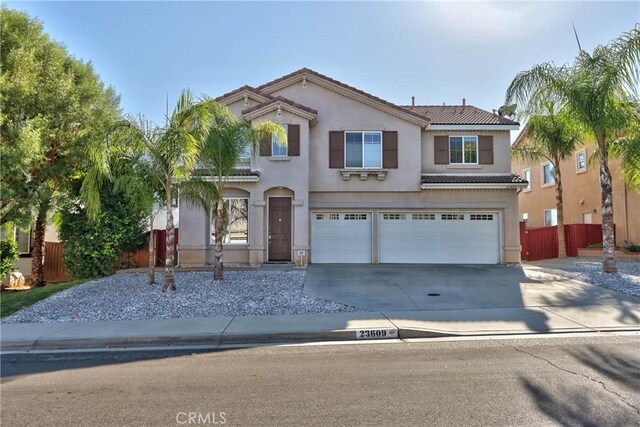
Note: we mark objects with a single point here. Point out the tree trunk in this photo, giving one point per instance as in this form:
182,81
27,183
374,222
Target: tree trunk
562,250
608,236
151,275
218,266
37,248
169,281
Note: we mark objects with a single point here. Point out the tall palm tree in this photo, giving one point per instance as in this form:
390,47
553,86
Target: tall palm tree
552,137
165,157
222,147
598,91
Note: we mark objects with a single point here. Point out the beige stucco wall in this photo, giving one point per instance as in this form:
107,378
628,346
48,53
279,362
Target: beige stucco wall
581,194
338,112
501,153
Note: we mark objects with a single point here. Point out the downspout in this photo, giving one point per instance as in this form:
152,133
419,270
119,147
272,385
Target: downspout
626,214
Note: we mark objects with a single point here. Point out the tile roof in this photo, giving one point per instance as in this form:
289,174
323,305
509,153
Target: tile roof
339,83
235,172
459,115
472,179
240,89
282,99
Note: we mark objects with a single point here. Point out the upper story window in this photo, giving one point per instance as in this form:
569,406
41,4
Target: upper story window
581,161
463,150
548,174
246,153
526,174
278,150
237,231
363,149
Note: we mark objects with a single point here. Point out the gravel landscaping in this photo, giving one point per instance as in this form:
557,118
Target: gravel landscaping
589,270
126,296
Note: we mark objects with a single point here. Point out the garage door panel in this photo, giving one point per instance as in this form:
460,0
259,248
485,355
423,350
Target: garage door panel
439,238
341,238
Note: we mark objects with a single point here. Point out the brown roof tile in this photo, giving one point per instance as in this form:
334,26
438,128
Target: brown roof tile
472,179
459,115
240,89
282,99
344,85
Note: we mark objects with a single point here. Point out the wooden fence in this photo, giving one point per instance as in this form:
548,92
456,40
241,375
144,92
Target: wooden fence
542,243
53,263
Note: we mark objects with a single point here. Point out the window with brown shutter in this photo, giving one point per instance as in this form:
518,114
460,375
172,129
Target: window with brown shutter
485,149
336,149
390,149
265,147
441,149
293,139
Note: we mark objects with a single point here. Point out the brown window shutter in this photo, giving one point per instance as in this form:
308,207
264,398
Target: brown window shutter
265,147
441,149
485,149
336,149
293,140
390,149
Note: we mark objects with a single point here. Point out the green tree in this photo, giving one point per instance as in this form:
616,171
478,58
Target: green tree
598,90
93,245
51,105
167,154
552,137
222,148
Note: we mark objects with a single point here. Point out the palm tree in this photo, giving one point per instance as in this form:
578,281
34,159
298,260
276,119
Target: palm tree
227,140
596,90
627,149
164,157
552,137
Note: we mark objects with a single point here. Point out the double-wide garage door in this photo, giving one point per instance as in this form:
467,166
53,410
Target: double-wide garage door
407,237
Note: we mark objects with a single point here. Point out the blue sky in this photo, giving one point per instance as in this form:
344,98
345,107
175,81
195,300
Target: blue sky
436,51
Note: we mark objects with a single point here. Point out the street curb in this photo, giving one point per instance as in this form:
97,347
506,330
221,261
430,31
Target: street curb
260,338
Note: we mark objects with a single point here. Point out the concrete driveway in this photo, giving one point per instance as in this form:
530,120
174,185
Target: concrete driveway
451,287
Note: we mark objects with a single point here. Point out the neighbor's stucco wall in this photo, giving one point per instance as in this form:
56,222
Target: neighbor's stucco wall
581,194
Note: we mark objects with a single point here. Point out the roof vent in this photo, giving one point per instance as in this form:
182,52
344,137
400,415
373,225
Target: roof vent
413,101
464,102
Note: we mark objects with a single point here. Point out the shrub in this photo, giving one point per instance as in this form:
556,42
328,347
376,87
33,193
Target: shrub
8,254
595,246
92,248
633,248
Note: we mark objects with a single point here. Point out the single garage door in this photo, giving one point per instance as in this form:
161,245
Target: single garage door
343,237
439,238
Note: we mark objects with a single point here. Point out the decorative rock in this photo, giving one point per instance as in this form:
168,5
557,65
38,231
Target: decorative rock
13,280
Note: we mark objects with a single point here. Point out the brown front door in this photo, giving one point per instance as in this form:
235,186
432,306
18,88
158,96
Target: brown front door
280,229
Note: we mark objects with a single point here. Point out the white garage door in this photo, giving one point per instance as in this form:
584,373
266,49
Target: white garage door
439,238
343,237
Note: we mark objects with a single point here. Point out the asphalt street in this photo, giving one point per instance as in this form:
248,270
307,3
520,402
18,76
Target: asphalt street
578,380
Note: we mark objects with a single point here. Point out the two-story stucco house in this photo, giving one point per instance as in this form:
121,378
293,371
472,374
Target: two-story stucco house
364,181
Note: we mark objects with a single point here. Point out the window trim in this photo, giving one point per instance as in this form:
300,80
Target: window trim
211,221
530,186
285,126
578,169
547,184
544,217
463,163
379,132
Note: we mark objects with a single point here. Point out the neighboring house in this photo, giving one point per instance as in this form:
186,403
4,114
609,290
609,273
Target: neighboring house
364,181
581,194
24,237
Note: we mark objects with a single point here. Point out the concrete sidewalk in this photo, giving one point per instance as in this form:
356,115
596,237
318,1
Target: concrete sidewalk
319,327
